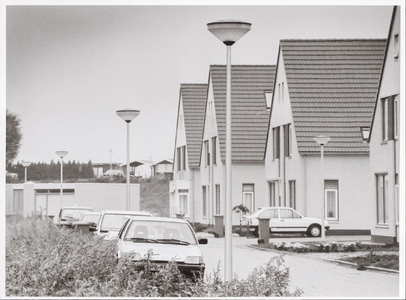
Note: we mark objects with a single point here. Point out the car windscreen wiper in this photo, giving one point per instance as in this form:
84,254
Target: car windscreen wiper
173,241
142,240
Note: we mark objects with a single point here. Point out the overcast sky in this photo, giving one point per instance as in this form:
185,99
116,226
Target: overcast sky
69,68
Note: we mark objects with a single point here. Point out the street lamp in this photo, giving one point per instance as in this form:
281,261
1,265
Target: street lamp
25,165
128,115
228,31
322,140
61,154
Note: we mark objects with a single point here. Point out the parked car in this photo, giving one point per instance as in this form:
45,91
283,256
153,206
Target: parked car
91,218
286,220
168,238
112,173
111,221
68,215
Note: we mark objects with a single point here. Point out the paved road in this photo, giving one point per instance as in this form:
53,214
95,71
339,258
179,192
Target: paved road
317,278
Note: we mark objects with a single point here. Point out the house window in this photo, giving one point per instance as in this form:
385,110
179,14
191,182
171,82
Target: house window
292,194
204,201
395,116
217,199
178,155
272,193
184,157
382,198
396,46
248,199
283,92
331,199
286,140
213,149
275,134
388,118
183,207
207,153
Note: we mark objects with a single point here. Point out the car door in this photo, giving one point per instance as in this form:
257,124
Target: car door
291,221
274,222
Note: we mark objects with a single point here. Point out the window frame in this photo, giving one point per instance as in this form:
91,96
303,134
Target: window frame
218,200
247,192
384,177
292,184
276,143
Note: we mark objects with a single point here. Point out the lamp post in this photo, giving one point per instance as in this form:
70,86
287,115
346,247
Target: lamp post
25,165
128,115
61,154
228,31
322,140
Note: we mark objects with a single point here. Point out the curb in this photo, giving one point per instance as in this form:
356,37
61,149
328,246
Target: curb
329,260
355,265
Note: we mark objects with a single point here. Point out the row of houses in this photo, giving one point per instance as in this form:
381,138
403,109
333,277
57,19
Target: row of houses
346,89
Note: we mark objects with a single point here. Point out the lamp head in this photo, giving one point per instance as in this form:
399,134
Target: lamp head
26,163
229,31
128,114
322,140
61,154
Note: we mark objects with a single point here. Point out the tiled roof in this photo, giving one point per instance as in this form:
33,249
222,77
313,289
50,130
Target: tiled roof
332,87
194,103
248,108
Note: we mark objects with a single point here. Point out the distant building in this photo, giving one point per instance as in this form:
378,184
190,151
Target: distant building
163,168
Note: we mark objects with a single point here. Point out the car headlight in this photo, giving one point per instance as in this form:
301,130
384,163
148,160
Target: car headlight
195,260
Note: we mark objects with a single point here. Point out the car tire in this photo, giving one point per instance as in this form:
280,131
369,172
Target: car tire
314,231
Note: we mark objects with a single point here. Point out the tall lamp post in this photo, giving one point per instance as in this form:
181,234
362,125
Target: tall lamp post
25,165
228,31
128,115
61,154
322,140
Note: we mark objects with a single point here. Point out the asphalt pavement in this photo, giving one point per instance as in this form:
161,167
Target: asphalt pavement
315,276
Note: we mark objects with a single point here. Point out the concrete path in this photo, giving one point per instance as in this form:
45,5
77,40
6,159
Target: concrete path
316,277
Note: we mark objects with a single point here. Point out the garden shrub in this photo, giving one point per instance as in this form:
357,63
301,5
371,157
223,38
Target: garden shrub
43,260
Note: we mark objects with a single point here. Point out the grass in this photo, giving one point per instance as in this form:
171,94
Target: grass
386,261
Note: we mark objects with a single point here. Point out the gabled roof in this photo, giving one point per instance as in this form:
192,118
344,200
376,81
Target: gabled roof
394,12
248,109
332,87
194,101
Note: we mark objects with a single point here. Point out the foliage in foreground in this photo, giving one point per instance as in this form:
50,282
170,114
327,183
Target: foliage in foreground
44,260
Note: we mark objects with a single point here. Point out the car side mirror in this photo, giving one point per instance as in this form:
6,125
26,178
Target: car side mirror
203,241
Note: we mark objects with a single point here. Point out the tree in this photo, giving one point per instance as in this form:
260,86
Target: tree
13,136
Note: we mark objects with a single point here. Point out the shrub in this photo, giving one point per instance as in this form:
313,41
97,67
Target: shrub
45,260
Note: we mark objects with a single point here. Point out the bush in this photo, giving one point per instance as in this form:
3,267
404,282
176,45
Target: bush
45,260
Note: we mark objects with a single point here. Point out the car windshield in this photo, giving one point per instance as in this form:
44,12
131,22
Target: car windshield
92,218
73,213
113,221
160,232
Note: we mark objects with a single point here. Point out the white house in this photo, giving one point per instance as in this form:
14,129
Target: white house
324,87
185,188
384,140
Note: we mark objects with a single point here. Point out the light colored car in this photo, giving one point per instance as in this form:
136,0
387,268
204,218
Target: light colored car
91,218
168,238
111,221
68,215
286,220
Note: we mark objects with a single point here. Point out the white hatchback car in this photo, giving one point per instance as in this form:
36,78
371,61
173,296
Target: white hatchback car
111,221
286,220
168,238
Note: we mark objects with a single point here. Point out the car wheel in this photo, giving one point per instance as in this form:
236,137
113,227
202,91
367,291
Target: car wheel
314,231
